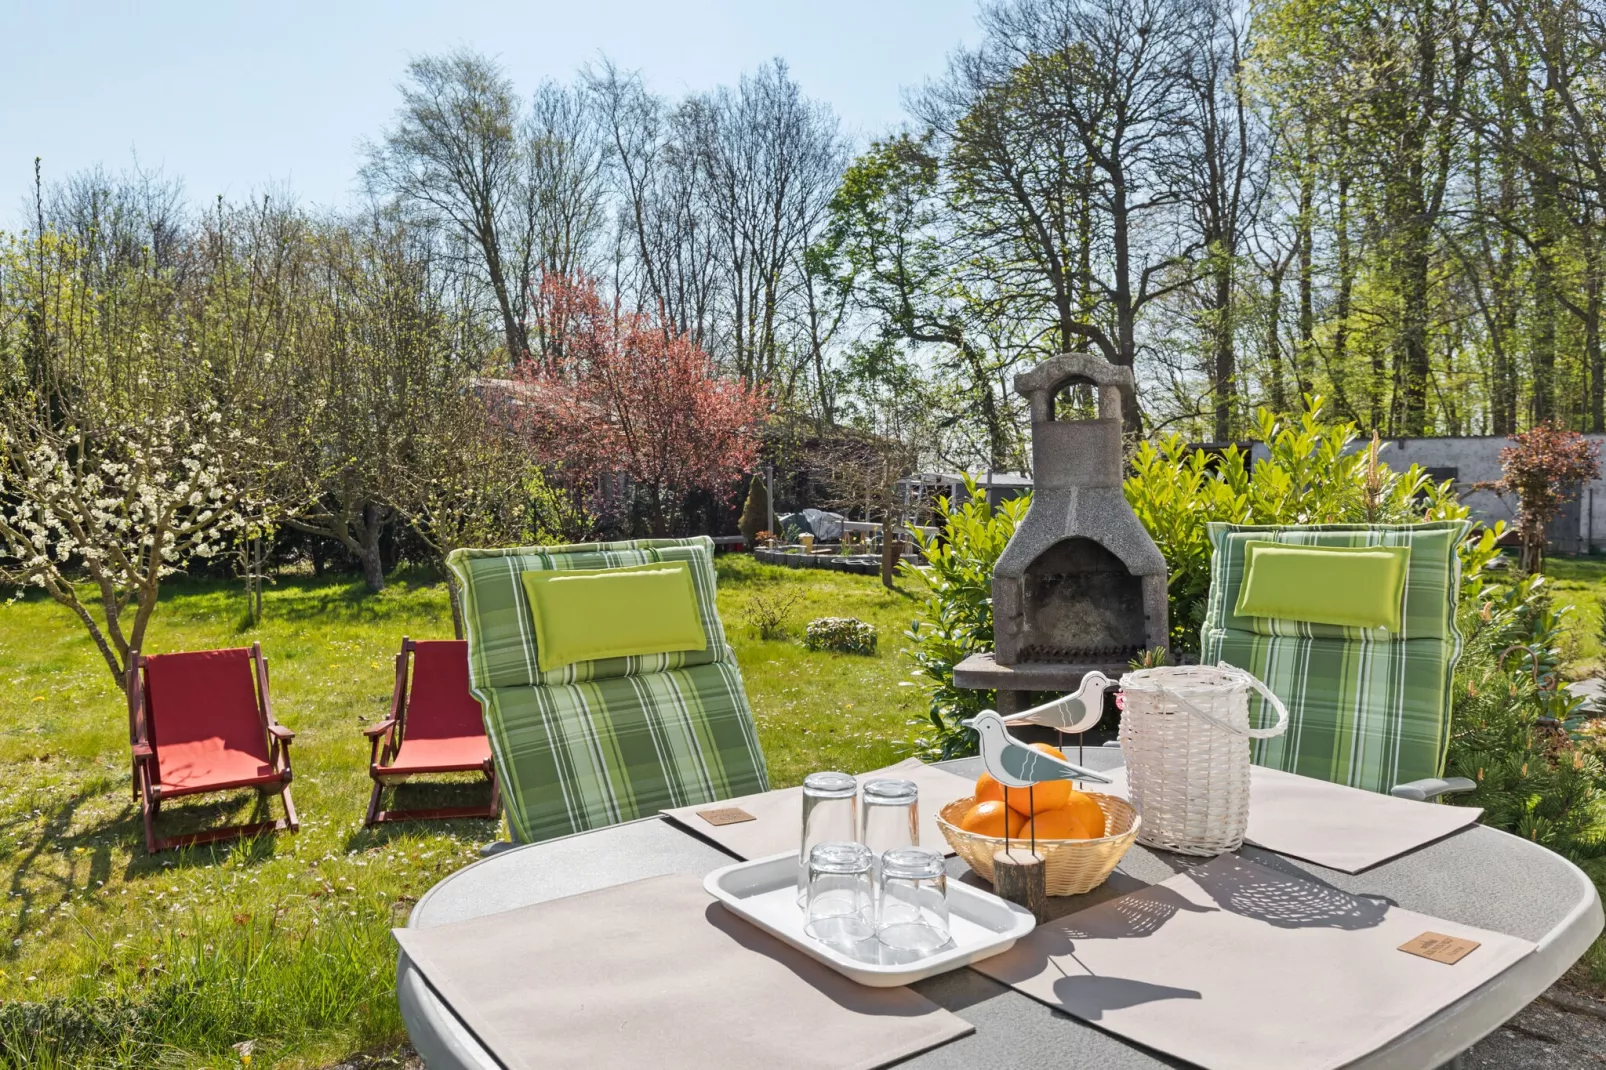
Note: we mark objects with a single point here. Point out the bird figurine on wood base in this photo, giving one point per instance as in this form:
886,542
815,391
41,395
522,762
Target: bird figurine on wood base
1014,764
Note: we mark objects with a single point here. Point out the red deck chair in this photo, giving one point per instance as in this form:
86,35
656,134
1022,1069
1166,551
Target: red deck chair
434,726
202,722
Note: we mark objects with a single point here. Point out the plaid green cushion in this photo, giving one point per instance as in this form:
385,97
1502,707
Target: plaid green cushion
599,742
1431,578
1365,708
584,755
501,632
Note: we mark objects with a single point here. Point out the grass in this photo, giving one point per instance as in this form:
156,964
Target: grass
1581,581
110,957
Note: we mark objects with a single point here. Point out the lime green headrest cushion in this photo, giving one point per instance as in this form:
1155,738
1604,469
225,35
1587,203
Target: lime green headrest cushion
1358,587
587,614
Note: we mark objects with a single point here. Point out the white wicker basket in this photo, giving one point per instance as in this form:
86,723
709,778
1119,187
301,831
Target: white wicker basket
1185,736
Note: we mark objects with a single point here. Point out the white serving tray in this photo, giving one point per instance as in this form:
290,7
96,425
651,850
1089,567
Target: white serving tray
764,892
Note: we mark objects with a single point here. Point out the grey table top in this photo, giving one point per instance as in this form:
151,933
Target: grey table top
1477,877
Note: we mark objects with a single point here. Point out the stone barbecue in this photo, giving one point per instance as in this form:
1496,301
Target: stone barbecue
1080,586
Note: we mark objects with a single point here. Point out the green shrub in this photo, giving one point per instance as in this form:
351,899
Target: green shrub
841,635
956,619
1510,728
769,610
1306,479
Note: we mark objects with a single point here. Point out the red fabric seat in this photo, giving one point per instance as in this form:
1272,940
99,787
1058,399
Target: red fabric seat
453,754
435,726
207,765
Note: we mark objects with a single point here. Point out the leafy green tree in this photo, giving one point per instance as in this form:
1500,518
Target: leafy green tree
890,246
755,511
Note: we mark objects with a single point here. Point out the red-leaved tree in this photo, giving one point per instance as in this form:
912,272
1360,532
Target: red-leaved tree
1544,468
608,394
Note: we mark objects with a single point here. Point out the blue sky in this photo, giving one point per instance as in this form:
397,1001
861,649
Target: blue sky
231,97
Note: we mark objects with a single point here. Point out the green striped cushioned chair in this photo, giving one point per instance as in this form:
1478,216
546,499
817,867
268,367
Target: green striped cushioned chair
598,742
1366,707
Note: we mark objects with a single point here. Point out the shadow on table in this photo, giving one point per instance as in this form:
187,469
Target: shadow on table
1089,997
1285,897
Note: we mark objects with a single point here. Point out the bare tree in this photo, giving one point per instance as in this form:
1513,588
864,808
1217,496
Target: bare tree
720,198
1063,129
564,185
770,160
133,218
380,347
1224,163
453,158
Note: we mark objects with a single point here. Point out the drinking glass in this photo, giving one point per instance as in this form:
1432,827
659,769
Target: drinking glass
912,912
890,818
839,909
830,813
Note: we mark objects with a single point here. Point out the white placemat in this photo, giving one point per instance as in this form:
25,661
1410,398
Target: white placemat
1333,825
778,815
1236,966
658,974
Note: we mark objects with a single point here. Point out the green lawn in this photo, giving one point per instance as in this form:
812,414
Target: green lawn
1581,581
285,941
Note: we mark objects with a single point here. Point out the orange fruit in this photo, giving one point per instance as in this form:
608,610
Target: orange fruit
991,818
1049,795
1088,813
1063,824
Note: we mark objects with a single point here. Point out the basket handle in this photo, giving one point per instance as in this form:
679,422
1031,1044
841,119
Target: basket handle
1249,678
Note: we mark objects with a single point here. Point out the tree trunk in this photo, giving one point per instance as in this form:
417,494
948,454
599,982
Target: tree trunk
1274,343
1346,282
1303,241
457,605
1544,338
1125,313
889,555
1225,362
1415,341
367,548
373,569
1592,345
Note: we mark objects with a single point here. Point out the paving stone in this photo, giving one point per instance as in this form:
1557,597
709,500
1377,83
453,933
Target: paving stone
1542,1036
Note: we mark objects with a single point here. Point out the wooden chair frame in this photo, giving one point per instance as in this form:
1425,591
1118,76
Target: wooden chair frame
148,790
385,742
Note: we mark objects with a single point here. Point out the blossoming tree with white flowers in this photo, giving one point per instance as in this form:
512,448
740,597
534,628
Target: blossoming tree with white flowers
97,508
131,411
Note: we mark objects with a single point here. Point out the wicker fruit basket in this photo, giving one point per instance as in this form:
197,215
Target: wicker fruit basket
1071,866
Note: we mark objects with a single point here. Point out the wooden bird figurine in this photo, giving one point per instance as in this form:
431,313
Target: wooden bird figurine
1075,712
1014,764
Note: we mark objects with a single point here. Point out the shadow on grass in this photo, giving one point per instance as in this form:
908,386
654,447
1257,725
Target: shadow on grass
52,838
330,598
429,795
39,883
199,814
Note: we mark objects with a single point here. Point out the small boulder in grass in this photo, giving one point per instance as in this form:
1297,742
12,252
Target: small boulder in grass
842,635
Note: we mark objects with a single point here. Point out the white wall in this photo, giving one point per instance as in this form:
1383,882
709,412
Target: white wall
1477,460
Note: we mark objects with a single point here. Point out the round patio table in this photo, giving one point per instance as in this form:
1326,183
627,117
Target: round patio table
1478,876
